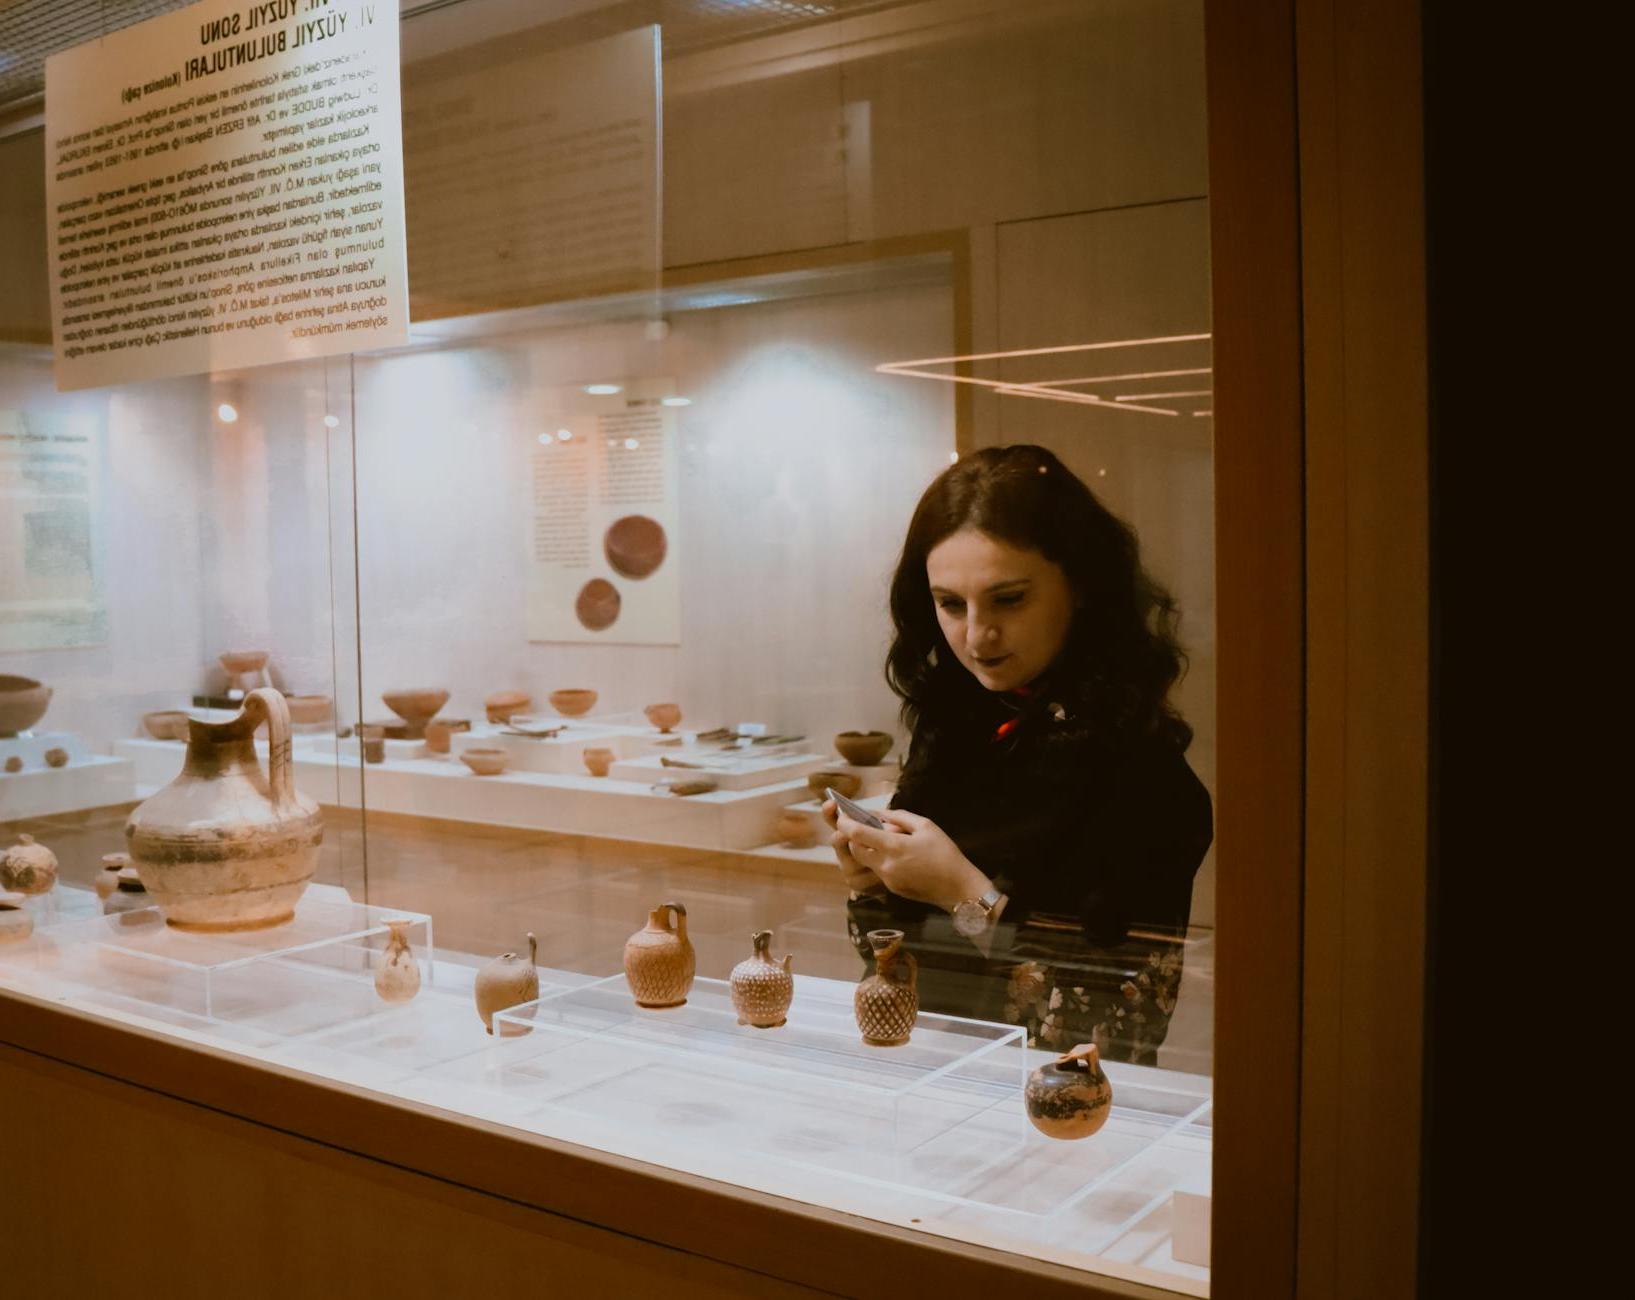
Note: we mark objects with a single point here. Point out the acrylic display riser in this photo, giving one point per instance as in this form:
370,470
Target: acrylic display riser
87,780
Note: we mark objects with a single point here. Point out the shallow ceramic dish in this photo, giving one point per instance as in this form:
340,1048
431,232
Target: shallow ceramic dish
573,702
166,724
863,748
848,783
307,710
484,761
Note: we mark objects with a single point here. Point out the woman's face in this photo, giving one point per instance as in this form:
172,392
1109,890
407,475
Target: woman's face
1004,610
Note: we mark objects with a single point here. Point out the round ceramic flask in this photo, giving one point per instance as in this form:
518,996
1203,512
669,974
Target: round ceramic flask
108,878
28,867
397,978
1070,1097
507,981
659,961
762,987
887,1002
224,846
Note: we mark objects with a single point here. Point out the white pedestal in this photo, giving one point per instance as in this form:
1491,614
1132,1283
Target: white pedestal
87,780
1189,1221
735,771
563,753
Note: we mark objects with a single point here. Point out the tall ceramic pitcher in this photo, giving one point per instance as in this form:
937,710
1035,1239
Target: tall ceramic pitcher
224,847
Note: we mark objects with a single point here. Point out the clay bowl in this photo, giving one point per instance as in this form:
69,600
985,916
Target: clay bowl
502,704
166,724
598,760
416,707
848,783
484,761
244,661
863,748
23,702
307,710
663,716
635,545
573,702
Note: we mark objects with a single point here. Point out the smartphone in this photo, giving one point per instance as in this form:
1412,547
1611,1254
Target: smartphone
855,811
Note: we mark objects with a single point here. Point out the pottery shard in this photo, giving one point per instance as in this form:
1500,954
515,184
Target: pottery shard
597,606
635,545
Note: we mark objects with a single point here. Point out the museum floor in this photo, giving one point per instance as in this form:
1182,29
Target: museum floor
487,887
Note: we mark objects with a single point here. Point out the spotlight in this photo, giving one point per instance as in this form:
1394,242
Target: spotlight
227,413
630,444
677,401
332,421
603,390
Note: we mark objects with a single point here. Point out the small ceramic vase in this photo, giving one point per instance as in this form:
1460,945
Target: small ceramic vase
659,961
373,740
598,759
56,757
437,737
887,1002
761,987
485,761
796,829
16,922
1070,1097
502,704
507,981
397,978
130,901
108,878
863,748
27,867
664,716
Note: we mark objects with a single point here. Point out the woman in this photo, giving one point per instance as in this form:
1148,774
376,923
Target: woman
1040,849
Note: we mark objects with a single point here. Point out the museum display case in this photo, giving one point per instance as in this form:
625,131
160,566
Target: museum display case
413,683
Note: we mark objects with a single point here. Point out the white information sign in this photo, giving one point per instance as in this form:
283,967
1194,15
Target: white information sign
224,188
605,521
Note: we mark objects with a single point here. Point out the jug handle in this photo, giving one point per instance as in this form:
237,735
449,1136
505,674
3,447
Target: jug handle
275,709
680,914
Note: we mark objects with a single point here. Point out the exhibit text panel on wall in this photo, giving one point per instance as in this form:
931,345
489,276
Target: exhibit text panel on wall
224,189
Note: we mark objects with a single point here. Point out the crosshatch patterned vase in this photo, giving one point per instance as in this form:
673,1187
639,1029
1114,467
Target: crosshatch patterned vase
659,961
762,987
887,1002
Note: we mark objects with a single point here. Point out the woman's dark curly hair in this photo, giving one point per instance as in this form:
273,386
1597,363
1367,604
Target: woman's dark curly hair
1121,656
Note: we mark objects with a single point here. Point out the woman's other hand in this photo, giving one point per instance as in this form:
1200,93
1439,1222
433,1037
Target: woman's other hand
859,879
912,857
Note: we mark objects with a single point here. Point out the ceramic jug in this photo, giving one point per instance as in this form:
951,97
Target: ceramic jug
397,978
659,961
224,846
28,867
507,981
1070,1097
762,988
887,1002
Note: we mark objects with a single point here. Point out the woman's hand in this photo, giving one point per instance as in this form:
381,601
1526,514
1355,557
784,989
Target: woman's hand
912,857
859,879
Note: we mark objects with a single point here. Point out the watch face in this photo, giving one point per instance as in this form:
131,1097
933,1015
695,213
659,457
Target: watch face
970,918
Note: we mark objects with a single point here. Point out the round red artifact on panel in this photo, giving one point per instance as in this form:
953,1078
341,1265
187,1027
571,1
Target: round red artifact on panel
598,604
635,545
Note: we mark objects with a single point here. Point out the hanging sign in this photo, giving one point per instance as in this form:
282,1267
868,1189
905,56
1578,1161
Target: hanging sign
224,188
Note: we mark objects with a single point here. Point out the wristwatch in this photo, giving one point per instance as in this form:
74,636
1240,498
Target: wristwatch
971,916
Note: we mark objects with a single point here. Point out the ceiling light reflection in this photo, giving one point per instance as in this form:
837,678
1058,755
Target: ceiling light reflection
227,413
603,390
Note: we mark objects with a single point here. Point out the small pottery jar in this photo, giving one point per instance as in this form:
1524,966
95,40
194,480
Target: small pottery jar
598,759
848,783
507,981
23,702
502,704
397,978
1070,1097
416,708
796,829
56,757
27,867
659,961
130,901
573,702
887,1002
863,748
108,878
373,740
485,761
16,922
14,763
663,716
762,988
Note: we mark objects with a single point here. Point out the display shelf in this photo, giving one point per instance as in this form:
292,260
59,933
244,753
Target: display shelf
85,781
314,971
562,754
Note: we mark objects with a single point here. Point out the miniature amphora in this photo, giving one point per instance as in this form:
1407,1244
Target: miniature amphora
1070,1097
224,846
659,961
397,978
887,1002
762,987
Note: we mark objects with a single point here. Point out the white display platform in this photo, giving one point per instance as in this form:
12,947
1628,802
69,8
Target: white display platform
730,769
562,753
87,780
930,1136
